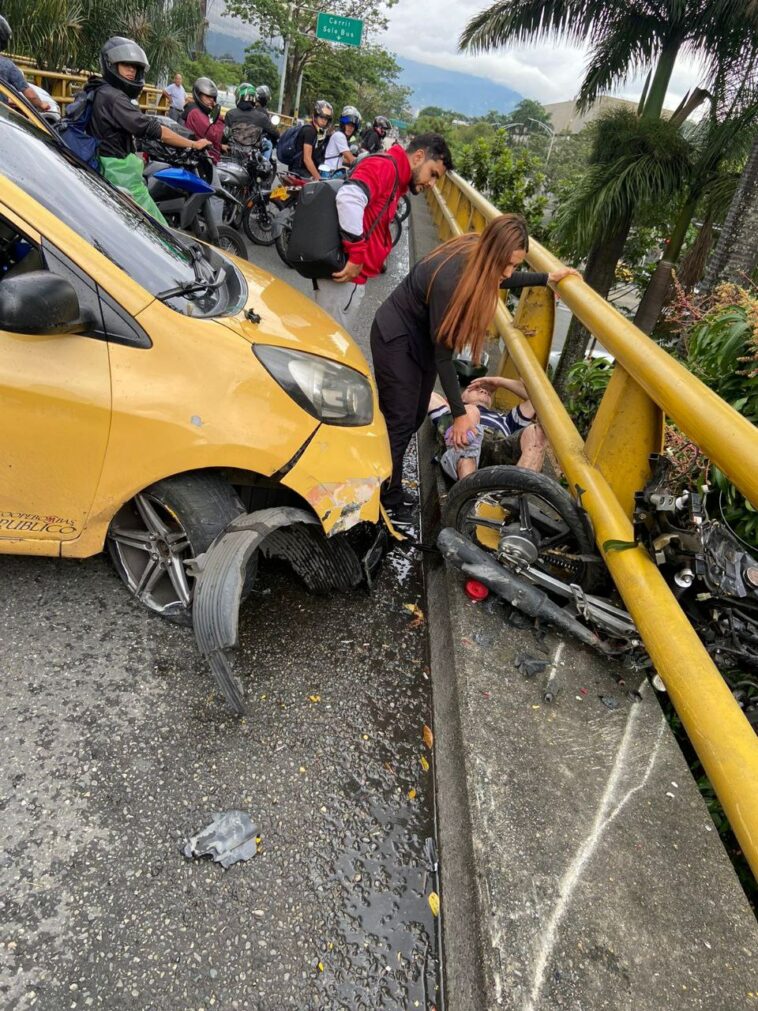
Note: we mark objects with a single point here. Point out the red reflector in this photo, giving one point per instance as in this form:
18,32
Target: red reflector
476,590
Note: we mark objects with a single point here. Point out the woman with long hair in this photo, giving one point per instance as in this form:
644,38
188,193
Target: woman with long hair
445,305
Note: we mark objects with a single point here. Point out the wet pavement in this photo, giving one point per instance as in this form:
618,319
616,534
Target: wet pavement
117,749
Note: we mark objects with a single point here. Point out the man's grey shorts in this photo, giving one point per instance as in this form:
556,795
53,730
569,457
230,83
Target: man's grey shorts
491,450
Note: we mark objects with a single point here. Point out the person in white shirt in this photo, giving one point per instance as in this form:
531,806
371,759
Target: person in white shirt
176,96
338,154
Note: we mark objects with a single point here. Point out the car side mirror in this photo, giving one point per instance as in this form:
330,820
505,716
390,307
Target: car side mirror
39,302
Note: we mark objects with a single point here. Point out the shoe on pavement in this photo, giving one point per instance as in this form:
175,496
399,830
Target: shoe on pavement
400,514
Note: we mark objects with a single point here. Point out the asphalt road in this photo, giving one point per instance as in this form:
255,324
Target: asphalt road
116,749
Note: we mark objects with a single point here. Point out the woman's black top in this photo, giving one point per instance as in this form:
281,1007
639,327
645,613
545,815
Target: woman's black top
408,311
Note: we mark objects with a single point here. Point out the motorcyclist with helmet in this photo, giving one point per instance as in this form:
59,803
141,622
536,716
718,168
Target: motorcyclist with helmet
338,154
10,74
117,120
203,117
373,136
251,109
312,140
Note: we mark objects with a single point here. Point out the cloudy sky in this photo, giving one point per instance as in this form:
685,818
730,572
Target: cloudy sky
429,32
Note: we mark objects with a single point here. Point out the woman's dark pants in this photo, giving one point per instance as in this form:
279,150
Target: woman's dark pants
404,389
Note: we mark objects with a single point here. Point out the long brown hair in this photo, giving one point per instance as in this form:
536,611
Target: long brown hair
474,301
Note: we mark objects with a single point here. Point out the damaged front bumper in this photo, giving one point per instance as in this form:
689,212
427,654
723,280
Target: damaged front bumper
226,570
318,476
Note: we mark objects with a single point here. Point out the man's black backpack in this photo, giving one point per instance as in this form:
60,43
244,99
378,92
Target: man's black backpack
287,144
315,246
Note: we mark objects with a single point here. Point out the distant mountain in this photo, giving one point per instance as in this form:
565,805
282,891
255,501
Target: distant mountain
220,44
473,96
449,89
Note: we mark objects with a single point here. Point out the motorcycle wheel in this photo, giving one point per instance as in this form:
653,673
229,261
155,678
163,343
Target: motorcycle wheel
396,230
403,208
282,240
517,512
231,242
259,225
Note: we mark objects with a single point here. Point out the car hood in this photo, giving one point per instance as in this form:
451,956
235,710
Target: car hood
290,319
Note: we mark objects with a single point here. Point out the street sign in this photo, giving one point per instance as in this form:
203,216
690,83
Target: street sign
335,28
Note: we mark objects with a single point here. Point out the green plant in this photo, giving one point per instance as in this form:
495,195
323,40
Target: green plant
587,382
722,349
510,179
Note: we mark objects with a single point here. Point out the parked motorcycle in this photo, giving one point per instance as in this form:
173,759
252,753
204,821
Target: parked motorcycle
182,182
285,198
523,536
247,175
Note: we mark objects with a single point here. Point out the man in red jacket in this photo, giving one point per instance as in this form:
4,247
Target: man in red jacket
366,204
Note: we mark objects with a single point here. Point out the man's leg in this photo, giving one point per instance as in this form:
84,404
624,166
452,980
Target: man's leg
399,380
533,446
341,301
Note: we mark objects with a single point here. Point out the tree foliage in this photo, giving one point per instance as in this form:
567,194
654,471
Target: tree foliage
259,67
527,112
511,179
636,166
68,34
625,37
279,19
366,78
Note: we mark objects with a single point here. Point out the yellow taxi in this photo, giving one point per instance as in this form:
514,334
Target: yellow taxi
154,389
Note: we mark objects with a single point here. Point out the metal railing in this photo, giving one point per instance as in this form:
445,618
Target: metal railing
605,471
63,87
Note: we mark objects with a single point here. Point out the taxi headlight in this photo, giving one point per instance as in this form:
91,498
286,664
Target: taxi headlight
333,393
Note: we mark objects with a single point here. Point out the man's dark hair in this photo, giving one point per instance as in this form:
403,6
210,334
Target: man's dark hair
434,146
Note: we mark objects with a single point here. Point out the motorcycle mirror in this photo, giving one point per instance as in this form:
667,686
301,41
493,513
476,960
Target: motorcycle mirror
275,121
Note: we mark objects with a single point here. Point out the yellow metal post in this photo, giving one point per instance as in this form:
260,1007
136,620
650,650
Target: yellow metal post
627,428
535,318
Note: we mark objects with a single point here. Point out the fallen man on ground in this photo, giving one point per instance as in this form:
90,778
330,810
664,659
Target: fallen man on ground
495,437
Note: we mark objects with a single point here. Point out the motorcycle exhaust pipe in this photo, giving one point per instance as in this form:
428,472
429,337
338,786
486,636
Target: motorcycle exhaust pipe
518,592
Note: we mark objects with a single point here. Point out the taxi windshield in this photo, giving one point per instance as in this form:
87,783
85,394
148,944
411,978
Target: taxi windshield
147,252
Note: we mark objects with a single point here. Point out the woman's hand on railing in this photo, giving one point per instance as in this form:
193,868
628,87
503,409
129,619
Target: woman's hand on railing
557,275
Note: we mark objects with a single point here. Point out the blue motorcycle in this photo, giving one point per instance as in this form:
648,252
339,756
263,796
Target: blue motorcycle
184,184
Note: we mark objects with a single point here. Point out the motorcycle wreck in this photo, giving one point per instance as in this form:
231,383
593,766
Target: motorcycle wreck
522,536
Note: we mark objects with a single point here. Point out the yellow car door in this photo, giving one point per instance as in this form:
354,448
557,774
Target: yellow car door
55,404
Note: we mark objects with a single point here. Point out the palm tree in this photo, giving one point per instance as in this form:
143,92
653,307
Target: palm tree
718,140
62,34
736,254
625,37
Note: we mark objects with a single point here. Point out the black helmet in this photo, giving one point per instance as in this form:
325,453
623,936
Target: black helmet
263,94
120,50
383,124
323,108
204,86
5,33
468,370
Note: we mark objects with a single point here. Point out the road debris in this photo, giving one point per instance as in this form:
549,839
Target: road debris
230,837
530,665
609,702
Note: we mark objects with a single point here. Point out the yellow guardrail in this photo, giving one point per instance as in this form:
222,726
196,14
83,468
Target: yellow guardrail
606,470
63,87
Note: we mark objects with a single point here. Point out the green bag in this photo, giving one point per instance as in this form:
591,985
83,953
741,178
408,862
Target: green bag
126,174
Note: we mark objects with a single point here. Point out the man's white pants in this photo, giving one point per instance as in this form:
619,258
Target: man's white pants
341,301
